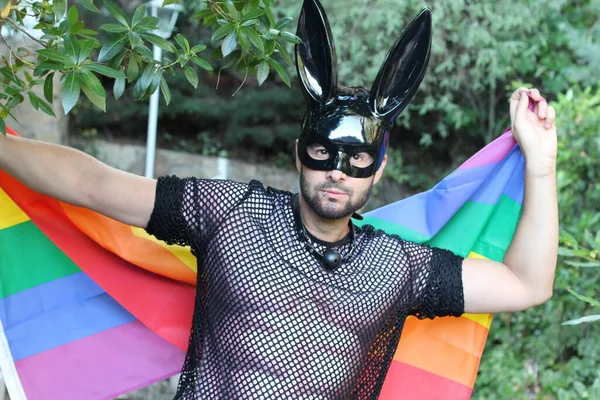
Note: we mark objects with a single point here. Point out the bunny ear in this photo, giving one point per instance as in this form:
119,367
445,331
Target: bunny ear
403,69
315,56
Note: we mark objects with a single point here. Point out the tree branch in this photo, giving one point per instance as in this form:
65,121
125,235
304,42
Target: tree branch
26,33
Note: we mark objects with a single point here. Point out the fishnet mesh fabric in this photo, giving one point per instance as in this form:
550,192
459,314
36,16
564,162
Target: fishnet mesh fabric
270,322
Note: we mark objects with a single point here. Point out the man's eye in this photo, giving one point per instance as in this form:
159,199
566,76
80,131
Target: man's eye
322,152
357,157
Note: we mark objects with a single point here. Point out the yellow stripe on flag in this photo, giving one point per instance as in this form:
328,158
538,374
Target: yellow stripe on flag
182,253
10,213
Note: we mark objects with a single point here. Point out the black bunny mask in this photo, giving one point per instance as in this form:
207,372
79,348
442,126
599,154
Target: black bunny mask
345,124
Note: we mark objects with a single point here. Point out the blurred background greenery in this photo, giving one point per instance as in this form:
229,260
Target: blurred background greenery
482,51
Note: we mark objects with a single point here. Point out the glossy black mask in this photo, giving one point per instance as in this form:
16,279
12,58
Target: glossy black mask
346,121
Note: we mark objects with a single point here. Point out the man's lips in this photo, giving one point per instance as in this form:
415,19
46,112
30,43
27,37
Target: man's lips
332,192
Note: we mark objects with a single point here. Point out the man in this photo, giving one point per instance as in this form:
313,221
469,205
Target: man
293,300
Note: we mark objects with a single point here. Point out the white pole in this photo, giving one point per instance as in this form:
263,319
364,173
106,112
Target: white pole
152,123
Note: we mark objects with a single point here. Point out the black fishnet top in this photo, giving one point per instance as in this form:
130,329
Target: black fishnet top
270,322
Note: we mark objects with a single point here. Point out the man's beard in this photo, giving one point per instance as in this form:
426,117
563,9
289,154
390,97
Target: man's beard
314,199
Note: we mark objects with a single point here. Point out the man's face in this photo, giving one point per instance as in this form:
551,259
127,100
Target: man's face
331,199
333,194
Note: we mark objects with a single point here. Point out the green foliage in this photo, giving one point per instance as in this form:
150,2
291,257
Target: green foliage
250,36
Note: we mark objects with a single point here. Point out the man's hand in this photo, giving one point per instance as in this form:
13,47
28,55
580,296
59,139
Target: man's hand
534,130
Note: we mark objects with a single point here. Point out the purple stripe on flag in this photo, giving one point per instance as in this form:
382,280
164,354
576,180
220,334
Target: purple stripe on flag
114,361
492,153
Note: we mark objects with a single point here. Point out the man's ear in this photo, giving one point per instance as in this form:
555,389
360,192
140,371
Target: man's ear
298,163
379,172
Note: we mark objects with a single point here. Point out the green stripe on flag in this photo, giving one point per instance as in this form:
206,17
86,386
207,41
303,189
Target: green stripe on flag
28,258
486,229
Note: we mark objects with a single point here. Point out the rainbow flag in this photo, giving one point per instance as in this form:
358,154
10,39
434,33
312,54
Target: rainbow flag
91,308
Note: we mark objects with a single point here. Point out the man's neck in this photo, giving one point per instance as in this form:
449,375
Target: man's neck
328,230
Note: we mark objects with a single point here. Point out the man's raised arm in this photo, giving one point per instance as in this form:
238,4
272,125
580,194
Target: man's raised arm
79,179
526,275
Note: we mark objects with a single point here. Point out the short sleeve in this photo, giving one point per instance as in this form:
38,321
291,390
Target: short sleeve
187,209
436,281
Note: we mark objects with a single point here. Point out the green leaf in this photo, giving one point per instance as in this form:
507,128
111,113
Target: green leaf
587,299
282,23
231,9
144,52
119,87
87,46
191,75
243,41
222,32
280,70
49,87
2,126
290,37
133,69
60,7
111,48
158,41
201,47
284,54
584,264
166,92
202,63
92,83
144,86
97,100
33,99
262,72
89,4
147,23
113,28
70,91
182,42
116,12
104,70
73,15
255,39
229,44
252,14
46,108
57,56
168,2
72,48
138,15
135,39
587,318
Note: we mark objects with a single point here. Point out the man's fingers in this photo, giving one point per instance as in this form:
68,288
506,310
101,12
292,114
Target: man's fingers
535,95
514,102
550,117
521,107
542,109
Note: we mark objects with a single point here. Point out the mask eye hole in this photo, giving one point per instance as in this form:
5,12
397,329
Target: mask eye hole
362,159
317,151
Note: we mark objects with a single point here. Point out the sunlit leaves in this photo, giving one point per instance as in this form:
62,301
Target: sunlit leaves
246,34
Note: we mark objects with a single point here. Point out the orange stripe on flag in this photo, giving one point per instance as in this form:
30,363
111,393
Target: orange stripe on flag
120,240
184,254
455,343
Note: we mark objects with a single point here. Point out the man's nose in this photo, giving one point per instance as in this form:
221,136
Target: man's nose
336,175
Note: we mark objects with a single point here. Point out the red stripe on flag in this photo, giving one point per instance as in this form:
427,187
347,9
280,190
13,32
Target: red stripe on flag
404,381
